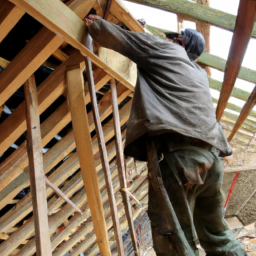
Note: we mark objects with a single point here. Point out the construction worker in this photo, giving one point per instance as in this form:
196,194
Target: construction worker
172,107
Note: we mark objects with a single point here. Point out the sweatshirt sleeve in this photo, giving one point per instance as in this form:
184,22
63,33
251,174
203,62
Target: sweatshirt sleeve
136,46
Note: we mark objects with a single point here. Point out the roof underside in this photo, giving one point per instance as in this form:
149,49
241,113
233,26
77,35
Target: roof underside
44,41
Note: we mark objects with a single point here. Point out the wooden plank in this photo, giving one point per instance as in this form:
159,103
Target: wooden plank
119,10
81,7
89,228
15,164
121,166
102,150
59,18
36,172
248,106
77,106
220,64
10,14
51,158
61,194
52,87
240,40
196,11
28,60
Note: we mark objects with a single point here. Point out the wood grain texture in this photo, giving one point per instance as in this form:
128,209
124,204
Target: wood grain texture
103,151
48,92
10,14
121,165
57,17
29,59
240,40
196,11
77,106
248,106
36,171
119,10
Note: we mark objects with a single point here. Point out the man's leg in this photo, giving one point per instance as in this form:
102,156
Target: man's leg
212,229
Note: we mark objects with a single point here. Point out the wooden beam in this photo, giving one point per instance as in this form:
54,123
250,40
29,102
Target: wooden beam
10,14
220,64
77,106
250,103
81,7
196,11
89,229
36,172
28,60
121,166
204,29
61,194
102,150
240,40
119,10
52,87
68,26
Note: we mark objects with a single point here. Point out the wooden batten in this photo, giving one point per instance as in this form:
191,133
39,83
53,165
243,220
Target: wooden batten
68,26
250,103
10,14
77,106
36,172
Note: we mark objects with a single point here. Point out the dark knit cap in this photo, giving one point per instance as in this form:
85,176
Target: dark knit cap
194,43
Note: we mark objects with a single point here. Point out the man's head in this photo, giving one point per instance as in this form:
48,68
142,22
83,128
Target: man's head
192,40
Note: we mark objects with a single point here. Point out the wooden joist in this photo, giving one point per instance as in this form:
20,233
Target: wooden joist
119,10
29,59
196,12
77,106
250,103
220,64
68,26
10,14
54,85
89,229
36,172
56,220
240,40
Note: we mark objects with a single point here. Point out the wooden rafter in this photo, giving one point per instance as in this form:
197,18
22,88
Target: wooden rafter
10,14
250,103
36,172
68,26
240,40
195,12
77,106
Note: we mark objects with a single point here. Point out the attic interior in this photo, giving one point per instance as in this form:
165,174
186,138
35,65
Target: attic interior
41,45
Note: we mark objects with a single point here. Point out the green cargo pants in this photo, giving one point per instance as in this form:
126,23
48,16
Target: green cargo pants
201,211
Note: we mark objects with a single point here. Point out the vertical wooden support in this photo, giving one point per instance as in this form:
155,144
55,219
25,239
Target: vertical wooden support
120,164
204,29
82,134
103,152
36,171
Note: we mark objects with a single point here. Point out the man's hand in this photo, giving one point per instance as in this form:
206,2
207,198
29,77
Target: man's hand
88,20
